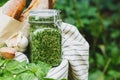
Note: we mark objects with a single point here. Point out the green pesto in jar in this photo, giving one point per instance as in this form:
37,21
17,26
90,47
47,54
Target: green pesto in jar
45,39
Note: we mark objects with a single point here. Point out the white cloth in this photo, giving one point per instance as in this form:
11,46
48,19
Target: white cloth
75,50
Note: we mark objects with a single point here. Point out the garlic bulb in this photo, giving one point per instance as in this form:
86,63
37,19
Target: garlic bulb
17,41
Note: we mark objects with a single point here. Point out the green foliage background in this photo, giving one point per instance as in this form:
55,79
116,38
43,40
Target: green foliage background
99,22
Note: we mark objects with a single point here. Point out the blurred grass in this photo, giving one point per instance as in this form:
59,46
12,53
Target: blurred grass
2,2
99,22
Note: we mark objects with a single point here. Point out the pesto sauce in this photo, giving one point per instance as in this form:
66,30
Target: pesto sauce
45,42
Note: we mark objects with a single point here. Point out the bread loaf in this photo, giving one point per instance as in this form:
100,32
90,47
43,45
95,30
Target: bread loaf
25,14
51,4
13,8
7,53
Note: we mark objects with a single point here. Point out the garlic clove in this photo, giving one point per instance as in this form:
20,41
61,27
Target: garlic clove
22,42
18,41
12,40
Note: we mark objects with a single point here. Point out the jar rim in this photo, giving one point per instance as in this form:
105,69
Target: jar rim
44,12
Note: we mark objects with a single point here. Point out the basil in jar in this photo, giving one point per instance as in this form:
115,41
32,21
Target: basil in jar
45,36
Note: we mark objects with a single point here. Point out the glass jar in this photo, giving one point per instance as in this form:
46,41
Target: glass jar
45,36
